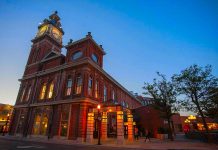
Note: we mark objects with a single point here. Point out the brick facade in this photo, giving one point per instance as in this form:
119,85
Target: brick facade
46,66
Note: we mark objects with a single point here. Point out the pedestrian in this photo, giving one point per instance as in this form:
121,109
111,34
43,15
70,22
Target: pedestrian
136,133
147,135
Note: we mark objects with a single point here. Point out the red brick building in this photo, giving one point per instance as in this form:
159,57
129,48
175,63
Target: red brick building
59,94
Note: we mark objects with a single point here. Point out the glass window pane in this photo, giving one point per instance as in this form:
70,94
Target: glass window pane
95,57
51,88
77,55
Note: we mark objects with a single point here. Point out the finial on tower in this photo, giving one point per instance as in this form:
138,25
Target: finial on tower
89,35
71,41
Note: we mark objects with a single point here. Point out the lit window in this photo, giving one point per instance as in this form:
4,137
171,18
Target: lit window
79,84
43,90
90,86
95,57
36,126
44,124
28,94
51,89
23,94
105,93
69,86
40,124
96,89
77,55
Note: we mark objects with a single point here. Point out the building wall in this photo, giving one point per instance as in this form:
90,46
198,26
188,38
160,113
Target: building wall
57,69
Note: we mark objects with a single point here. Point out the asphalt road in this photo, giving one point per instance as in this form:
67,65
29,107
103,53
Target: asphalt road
8,144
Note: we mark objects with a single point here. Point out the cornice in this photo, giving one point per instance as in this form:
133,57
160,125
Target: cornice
80,62
75,100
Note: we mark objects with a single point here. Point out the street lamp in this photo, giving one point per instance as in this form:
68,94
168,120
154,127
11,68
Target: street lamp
99,124
6,124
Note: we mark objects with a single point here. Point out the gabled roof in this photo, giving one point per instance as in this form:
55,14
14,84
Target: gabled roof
52,54
84,39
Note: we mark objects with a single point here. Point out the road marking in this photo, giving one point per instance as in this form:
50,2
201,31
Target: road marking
26,147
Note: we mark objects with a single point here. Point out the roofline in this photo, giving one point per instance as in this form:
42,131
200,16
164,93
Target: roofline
82,40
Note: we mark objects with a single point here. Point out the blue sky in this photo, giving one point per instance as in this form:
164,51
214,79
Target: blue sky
140,37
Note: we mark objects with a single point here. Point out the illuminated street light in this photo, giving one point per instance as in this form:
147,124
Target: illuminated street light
99,124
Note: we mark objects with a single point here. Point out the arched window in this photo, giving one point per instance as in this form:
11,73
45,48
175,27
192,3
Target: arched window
96,88
69,86
90,86
51,90
77,55
28,93
43,90
105,93
78,84
94,57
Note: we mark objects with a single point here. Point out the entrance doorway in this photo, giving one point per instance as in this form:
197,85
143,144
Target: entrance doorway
112,124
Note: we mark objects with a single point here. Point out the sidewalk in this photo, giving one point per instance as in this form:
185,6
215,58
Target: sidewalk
179,143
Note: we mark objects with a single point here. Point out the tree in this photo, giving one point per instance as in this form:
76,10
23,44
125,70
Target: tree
211,109
196,83
165,97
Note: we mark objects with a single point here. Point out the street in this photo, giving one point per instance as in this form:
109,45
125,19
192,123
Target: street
180,143
9,144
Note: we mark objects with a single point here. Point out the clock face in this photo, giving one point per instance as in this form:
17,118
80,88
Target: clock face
56,33
42,30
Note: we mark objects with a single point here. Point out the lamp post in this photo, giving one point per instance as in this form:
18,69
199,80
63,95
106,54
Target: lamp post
6,124
99,124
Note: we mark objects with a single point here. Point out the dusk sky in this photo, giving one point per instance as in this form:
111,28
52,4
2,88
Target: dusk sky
140,37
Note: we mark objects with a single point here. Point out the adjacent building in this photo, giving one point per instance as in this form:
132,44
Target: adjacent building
59,94
5,115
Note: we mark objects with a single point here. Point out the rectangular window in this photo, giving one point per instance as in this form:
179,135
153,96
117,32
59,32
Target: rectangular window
28,94
69,87
64,119
23,94
40,124
78,85
90,86
43,90
113,95
96,89
105,93
51,89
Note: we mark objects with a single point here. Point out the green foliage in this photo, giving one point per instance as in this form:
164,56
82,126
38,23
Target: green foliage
164,94
197,85
211,109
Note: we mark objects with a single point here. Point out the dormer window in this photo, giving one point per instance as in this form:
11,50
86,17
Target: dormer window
95,58
77,55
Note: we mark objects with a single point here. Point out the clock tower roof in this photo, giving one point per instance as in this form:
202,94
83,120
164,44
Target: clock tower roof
54,20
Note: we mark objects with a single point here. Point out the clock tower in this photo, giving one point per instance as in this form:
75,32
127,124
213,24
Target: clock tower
47,40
